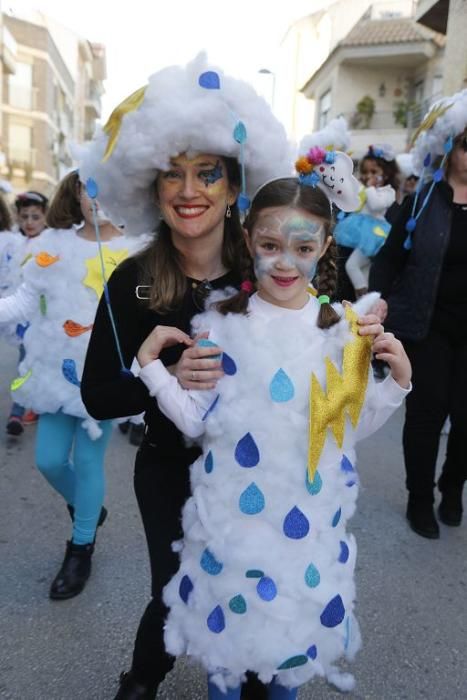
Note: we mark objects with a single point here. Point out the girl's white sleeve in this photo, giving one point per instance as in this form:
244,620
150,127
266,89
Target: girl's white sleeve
19,306
382,399
184,408
378,199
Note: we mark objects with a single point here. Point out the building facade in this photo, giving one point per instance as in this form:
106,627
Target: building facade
51,85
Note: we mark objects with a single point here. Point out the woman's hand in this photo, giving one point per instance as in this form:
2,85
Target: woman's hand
387,348
370,324
160,337
199,367
380,309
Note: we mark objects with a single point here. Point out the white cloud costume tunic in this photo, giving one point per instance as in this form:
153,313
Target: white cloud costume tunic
62,285
266,579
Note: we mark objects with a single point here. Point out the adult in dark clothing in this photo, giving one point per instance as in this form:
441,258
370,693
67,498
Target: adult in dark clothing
188,176
426,291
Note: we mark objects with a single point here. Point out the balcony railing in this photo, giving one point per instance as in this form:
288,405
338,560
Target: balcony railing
21,157
403,116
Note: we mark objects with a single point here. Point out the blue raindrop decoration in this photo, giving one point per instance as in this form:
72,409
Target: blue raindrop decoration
293,662
206,343
312,652
333,613
254,573
252,500
344,552
296,525
246,452
346,465
92,189
266,589
239,133
337,517
243,202
69,372
228,365
312,576
209,463
211,407
210,564
216,620
209,80
281,388
237,604
315,486
185,588
438,175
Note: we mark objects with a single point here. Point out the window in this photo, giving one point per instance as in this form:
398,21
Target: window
19,143
20,87
324,109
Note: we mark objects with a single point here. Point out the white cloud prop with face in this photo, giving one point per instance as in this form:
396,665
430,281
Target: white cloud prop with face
338,183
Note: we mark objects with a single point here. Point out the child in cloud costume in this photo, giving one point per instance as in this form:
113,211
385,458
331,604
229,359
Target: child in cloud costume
266,574
62,284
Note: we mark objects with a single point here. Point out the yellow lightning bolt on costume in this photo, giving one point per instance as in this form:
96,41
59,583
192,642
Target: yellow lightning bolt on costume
344,395
114,122
430,119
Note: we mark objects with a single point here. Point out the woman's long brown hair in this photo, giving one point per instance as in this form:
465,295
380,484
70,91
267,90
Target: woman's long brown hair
65,209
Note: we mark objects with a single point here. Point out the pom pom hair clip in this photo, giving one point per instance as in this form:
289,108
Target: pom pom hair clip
247,286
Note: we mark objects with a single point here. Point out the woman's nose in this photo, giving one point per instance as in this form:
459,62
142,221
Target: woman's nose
189,189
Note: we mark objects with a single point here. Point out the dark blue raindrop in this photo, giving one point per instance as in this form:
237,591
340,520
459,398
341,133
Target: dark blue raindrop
246,452
296,525
216,620
185,588
333,613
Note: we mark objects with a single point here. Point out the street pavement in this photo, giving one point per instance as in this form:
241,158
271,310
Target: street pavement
411,592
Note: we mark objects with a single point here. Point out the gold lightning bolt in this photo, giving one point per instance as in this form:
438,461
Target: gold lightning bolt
345,394
430,119
114,122
111,258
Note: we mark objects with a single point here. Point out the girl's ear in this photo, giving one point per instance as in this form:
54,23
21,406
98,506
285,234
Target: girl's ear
247,238
326,245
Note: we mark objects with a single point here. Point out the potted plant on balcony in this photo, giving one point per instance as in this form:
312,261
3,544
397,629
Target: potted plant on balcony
364,114
401,112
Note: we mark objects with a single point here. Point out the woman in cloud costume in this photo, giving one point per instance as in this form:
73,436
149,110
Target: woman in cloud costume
62,285
266,575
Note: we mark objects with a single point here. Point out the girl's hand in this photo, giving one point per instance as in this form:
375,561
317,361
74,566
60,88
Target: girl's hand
370,324
199,367
387,348
160,337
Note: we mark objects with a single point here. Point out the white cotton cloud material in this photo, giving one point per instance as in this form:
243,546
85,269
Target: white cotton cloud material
335,134
308,572
179,116
451,123
63,296
405,163
13,249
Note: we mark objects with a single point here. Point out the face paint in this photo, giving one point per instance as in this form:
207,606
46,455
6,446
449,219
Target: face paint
209,177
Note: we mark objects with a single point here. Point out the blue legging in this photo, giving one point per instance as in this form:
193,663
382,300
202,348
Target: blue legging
80,481
275,692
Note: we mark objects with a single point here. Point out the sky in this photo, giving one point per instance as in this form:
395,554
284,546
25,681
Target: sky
142,36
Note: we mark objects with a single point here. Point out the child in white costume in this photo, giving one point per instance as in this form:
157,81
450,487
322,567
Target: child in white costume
266,574
62,285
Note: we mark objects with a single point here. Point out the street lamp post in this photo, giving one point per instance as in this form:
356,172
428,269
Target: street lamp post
266,71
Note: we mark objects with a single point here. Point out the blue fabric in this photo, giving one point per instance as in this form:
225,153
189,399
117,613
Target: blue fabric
275,692
358,231
81,480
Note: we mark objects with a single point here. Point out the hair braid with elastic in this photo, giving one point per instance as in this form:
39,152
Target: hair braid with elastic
327,284
238,304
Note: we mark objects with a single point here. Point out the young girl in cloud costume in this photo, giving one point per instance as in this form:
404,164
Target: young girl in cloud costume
266,574
62,285
367,229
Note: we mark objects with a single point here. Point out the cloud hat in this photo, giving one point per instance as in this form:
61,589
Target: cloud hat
184,109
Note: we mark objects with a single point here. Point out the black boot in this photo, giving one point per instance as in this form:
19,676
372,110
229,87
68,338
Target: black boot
102,516
450,509
421,517
130,689
137,434
74,572
253,689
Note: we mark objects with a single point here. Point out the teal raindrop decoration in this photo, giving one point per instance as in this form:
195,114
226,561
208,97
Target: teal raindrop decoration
251,501
281,388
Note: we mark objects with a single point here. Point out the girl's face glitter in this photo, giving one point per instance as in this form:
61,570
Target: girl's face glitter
287,244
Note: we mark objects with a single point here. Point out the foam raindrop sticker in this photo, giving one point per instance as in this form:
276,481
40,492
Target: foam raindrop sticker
243,202
315,486
344,552
209,80
246,452
19,381
91,188
42,304
240,132
211,407
45,260
228,365
337,517
74,330
185,588
293,662
333,613
237,604
210,564
209,463
281,388
254,573
216,620
312,652
251,500
266,589
296,525
312,576
206,343
21,329
347,468
69,372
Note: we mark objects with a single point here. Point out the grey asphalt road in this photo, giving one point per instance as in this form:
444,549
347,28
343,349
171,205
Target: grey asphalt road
411,592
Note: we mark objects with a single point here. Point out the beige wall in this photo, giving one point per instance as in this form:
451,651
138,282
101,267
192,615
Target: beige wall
455,68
